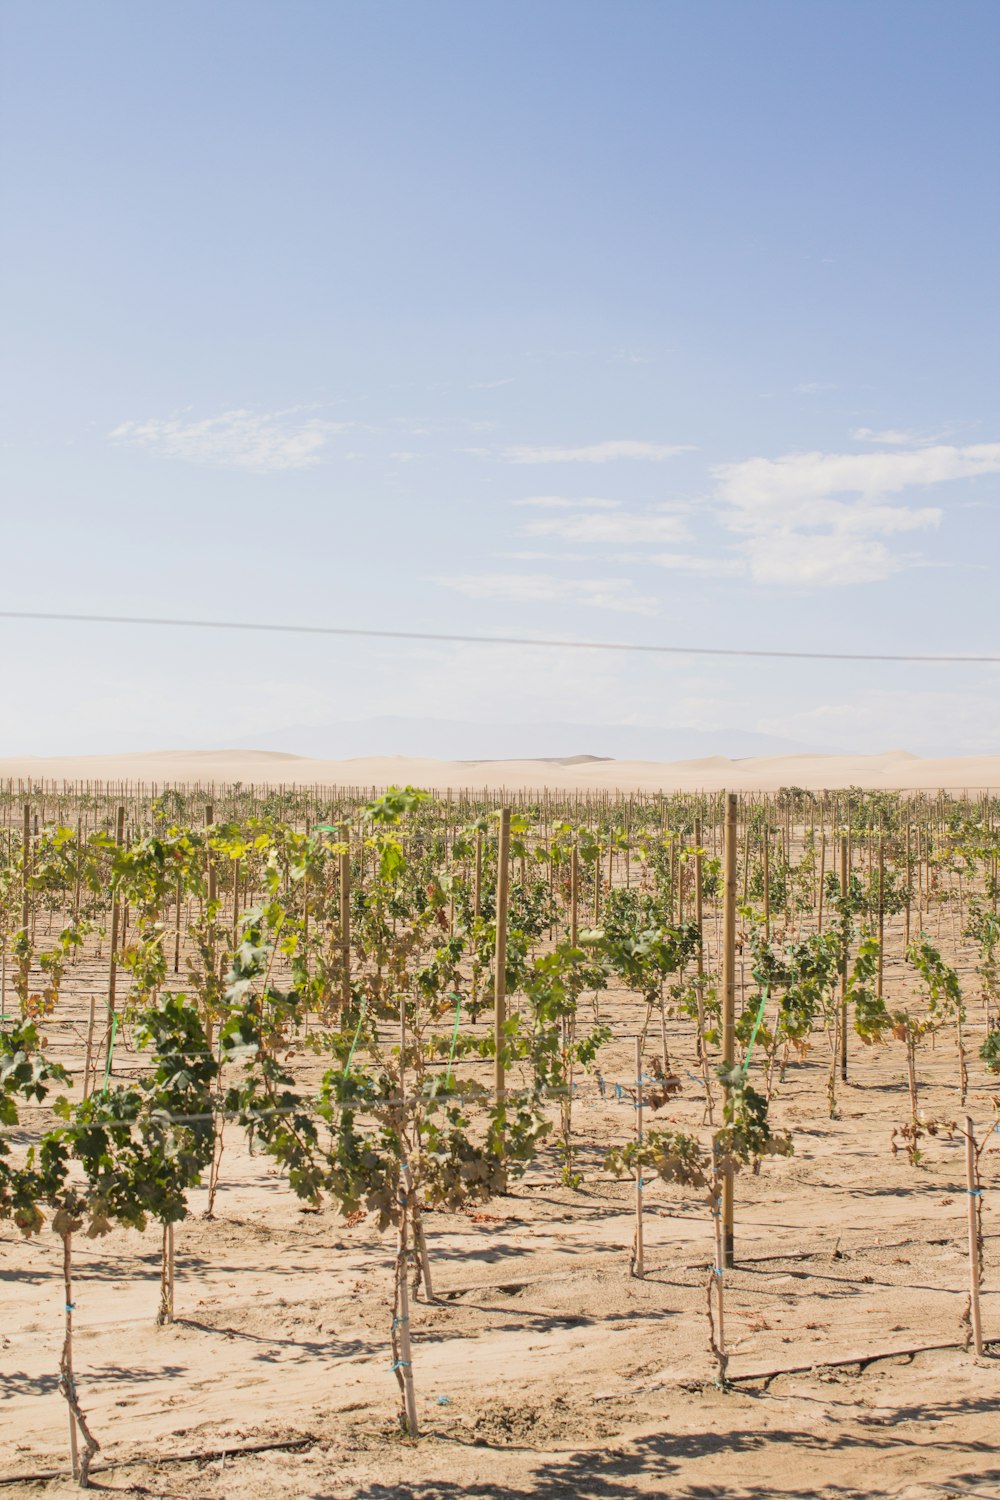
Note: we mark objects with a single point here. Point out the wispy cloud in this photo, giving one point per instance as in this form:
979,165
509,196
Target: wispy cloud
543,588
240,439
897,437
705,567
595,453
813,387
560,502
797,478
818,519
610,528
831,560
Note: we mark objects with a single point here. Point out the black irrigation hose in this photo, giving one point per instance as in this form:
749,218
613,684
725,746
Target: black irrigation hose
202,1455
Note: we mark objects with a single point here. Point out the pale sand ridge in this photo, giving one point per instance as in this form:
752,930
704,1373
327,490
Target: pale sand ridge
815,772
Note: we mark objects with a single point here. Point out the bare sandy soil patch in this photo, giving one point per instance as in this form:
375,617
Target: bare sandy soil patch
543,1367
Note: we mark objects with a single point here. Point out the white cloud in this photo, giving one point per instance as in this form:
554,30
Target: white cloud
241,439
614,528
813,387
559,502
796,477
542,588
896,437
799,534
595,453
707,567
828,561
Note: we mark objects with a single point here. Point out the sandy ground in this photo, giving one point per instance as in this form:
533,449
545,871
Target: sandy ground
896,769
544,1368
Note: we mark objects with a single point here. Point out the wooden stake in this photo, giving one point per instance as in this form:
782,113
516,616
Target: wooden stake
177,929
909,878
166,1312
24,967
973,1191
113,954
236,904
638,1251
881,909
574,895
345,915
822,878
402,1353
500,952
729,1005
844,877
402,1348
88,1061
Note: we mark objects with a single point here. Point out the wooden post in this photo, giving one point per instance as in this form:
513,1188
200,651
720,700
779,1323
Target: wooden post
766,875
115,919
822,878
236,902
500,952
972,1192
729,1005
345,914
24,975
77,871
177,929
699,918
403,1355
477,893
209,820
574,896
844,878
638,1260
89,1054
881,909
698,898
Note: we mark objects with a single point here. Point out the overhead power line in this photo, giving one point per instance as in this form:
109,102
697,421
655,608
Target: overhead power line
454,638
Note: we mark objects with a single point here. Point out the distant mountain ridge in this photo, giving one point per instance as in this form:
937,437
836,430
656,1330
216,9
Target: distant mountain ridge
453,739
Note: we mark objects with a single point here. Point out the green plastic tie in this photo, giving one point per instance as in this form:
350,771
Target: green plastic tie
756,1027
111,1053
361,1022
454,1038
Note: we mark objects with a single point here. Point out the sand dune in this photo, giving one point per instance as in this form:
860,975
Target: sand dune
894,769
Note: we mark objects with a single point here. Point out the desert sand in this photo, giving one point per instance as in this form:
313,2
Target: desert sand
896,769
543,1368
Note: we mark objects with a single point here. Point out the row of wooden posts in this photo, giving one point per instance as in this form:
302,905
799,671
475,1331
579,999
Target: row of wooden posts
729,981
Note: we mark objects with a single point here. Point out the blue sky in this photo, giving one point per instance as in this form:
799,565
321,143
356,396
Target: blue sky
643,321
